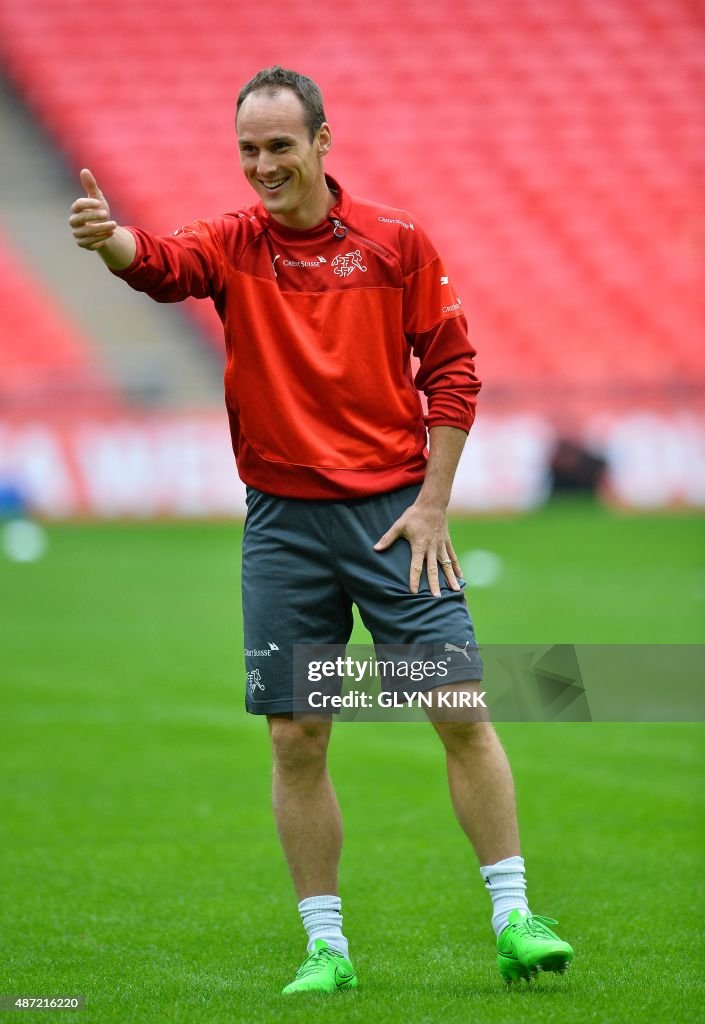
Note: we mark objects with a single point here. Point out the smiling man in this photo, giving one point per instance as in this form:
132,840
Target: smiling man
324,299
281,152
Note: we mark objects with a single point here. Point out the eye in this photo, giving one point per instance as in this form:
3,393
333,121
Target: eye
279,146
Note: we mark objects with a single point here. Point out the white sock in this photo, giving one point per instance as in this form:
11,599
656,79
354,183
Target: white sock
506,885
322,919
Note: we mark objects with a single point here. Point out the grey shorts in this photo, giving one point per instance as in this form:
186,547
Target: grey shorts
304,565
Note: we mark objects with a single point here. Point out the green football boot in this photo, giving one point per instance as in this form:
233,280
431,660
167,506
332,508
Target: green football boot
323,970
527,945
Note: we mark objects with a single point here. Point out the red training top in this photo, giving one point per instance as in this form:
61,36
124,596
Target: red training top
319,330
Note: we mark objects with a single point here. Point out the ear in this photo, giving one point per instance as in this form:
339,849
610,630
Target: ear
325,139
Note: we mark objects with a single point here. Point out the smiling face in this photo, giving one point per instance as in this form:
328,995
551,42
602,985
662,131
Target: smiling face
281,161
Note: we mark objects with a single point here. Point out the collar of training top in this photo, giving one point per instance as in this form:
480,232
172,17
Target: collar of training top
338,213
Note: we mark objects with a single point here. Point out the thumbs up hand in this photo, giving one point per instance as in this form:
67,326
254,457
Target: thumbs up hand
90,216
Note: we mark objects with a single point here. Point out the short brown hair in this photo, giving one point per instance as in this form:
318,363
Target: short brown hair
275,78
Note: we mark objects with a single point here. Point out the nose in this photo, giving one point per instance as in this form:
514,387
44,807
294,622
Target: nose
265,165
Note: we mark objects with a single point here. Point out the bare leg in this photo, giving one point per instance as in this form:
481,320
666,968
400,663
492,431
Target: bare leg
481,786
305,806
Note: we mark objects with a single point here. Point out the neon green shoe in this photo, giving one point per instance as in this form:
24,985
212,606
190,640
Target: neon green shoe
527,945
324,970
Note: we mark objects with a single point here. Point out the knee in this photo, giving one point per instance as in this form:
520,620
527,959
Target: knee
299,745
466,738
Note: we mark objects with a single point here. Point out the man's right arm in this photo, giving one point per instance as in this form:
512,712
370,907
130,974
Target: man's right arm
94,230
170,268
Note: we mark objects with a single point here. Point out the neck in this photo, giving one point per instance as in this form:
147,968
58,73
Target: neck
312,212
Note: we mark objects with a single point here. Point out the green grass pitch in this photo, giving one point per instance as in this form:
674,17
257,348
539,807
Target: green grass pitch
139,862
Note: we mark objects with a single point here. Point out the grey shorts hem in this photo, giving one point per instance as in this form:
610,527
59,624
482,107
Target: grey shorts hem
285,707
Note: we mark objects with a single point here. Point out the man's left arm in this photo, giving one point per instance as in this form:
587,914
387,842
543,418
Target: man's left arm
425,523
436,329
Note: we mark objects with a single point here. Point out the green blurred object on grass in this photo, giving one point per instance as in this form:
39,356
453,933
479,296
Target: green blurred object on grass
139,859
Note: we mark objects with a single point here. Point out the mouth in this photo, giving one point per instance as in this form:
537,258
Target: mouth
274,186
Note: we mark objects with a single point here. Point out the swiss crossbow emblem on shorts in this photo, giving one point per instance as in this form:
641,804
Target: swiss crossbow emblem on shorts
344,264
254,681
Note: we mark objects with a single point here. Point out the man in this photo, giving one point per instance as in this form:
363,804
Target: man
323,299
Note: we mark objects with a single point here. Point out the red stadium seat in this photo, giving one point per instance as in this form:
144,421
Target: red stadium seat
44,360
553,158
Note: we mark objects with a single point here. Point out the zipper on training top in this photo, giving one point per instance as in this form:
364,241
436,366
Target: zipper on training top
340,230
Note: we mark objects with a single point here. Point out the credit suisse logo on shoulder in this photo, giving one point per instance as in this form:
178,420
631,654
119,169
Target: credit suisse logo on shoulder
396,220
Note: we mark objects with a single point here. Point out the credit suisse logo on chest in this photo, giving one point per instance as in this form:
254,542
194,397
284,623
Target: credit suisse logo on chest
344,264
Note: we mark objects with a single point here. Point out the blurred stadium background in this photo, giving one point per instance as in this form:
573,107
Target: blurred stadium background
556,154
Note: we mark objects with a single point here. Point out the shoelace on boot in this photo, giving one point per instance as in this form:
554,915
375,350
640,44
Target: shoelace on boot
537,925
314,960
